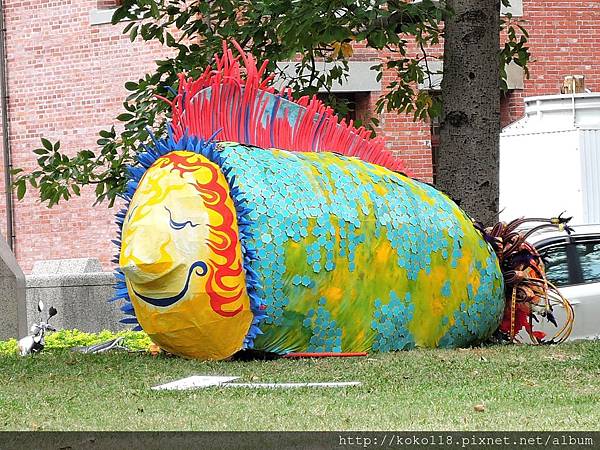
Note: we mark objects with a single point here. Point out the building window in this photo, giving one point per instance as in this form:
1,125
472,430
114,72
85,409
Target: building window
108,4
104,11
515,8
357,104
360,76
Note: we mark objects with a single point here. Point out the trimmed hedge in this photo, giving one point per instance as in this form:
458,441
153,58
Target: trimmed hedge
64,339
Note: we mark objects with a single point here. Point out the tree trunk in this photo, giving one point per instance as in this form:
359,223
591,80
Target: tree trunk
470,127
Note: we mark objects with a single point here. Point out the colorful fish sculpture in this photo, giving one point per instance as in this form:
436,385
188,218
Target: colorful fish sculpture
265,223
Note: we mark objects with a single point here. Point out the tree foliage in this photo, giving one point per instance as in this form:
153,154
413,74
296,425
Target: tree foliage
306,32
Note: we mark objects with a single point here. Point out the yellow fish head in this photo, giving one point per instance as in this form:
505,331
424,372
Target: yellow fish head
182,259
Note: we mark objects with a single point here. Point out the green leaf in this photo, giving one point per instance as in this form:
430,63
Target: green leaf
40,151
106,134
119,15
124,117
170,40
87,154
47,144
128,27
154,9
21,189
133,34
131,86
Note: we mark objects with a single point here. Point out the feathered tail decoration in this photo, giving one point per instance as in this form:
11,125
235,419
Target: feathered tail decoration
528,292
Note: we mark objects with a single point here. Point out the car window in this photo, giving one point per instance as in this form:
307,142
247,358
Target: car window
589,258
556,264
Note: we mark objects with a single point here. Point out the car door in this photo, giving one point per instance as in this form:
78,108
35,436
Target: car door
586,289
573,265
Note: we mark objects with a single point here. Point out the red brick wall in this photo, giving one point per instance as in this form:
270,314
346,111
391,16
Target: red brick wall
407,139
564,41
66,82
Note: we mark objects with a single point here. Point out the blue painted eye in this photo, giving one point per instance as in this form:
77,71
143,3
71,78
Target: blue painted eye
179,225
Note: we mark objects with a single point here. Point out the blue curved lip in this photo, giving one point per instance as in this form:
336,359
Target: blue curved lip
168,301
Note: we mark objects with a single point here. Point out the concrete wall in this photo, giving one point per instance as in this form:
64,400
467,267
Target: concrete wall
81,301
80,293
12,295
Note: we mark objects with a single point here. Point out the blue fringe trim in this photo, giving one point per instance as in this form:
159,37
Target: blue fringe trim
209,150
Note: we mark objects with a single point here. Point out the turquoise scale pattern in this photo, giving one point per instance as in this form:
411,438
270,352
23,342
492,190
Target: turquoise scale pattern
390,321
468,326
326,335
286,190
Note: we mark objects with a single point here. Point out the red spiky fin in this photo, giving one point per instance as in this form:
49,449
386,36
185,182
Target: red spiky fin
239,99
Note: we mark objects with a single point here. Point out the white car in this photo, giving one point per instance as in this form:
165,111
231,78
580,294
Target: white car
573,265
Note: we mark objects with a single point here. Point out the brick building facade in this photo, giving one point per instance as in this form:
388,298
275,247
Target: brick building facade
67,66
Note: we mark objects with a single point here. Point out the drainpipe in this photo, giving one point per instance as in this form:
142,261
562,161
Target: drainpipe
5,138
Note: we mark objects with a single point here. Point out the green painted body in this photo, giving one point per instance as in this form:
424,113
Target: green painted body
354,257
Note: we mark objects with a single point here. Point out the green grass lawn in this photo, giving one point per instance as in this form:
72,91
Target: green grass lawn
521,388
